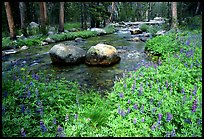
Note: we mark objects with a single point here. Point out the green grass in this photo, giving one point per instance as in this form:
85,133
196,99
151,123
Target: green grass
68,26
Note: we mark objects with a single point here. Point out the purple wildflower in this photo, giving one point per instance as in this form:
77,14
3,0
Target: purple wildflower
23,134
54,121
66,117
76,116
142,108
122,113
159,116
140,90
190,97
173,133
121,95
31,83
169,117
188,121
125,86
151,101
188,42
143,119
199,121
22,108
134,121
128,111
128,101
42,126
153,127
182,91
135,106
28,94
194,105
60,132
119,111
167,85
158,89
153,110
195,90
159,103
5,94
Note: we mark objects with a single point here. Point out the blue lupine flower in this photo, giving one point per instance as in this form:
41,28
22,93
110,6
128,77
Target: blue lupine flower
188,42
167,85
182,91
31,83
66,117
22,108
158,89
5,94
119,111
134,121
188,121
23,134
140,90
159,103
122,113
195,90
135,106
143,119
142,108
42,126
151,101
76,116
125,85
121,95
128,101
128,111
153,110
28,94
199,121
173,133
36,91
153,127
194,105
160,116
169,117
54,121
60,132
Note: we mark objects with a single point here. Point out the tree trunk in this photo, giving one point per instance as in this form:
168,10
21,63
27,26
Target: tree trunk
10,21
45,12
61,17
85,15
112,12
197,9
82,15
174,14
22,7
42,18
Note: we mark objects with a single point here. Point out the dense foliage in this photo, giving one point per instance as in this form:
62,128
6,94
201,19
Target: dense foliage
152,100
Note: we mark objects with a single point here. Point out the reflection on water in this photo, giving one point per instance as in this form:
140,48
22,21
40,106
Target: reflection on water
100,78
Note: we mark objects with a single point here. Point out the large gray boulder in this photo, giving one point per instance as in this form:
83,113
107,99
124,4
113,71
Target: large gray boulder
64,54
102,54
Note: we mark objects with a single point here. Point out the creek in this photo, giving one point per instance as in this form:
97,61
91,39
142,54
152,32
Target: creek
100,78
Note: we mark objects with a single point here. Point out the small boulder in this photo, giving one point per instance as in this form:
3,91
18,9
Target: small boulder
102,54
33,25
78,39
135,31
136,39
64,54
49,40
24,47
99,30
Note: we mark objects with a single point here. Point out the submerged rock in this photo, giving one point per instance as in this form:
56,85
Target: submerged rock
135,31
64,54
102,54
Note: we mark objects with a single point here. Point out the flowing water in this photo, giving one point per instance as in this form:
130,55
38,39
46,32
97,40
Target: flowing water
99,78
